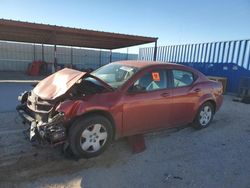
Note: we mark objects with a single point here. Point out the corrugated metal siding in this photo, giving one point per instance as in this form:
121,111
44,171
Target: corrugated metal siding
229,59
237,52
17,56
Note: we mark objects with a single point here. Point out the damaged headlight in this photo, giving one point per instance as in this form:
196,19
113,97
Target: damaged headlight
23,97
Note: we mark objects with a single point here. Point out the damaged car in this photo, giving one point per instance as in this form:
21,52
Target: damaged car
87,111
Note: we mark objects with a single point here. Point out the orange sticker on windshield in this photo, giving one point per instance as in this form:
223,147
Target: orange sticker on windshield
156,76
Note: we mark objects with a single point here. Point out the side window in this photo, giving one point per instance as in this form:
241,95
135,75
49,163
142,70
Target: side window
150,81
182,78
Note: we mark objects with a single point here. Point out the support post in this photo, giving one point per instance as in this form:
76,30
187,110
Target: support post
127,53
100,58
45,64
42,53
71,57
34,51
110,57
155,51
53,68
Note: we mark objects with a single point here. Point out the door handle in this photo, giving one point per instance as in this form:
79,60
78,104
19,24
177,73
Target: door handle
165,94
197,90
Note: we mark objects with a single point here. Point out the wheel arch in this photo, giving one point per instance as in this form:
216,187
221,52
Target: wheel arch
207,98
212,102
204,99
97,112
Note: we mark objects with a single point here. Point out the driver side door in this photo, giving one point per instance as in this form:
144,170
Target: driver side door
148,107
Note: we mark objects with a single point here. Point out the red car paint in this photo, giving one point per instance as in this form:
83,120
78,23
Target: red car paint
58,83
134,113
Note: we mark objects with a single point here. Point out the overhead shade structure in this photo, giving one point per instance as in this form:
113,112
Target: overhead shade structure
57,35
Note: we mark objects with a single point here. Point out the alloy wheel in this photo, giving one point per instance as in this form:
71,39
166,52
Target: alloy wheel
93,138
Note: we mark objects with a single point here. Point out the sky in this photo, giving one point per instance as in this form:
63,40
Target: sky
172,21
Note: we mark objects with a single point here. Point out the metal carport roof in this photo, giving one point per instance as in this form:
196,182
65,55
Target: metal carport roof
57,35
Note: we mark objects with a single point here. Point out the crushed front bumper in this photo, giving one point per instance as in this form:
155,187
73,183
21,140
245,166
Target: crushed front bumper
52,132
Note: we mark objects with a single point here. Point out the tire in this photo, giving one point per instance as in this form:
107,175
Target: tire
90,136
204,116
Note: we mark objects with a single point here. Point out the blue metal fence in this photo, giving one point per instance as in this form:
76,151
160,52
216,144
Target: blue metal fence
229,59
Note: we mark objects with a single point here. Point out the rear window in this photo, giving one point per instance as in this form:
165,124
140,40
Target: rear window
182,78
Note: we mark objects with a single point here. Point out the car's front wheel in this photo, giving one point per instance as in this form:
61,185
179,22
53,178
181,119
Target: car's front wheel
90,136
204,116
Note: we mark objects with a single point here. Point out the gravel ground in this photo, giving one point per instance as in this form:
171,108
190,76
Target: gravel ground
218,156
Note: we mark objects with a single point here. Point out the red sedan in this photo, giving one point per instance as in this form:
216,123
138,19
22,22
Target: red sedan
86,111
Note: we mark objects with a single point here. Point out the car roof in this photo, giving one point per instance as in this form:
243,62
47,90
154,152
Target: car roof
143,64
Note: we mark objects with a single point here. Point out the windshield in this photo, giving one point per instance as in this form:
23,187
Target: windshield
115,74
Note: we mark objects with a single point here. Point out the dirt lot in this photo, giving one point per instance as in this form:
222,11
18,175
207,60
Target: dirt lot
218,156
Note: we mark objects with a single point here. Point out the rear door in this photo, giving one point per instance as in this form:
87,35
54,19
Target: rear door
185,96
147,103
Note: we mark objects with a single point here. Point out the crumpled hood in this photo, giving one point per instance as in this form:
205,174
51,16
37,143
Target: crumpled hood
57,84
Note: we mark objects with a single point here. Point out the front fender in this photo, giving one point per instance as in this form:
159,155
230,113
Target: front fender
71,108
75,108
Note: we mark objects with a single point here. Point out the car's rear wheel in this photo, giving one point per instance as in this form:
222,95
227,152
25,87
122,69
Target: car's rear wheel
90,136
204,116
